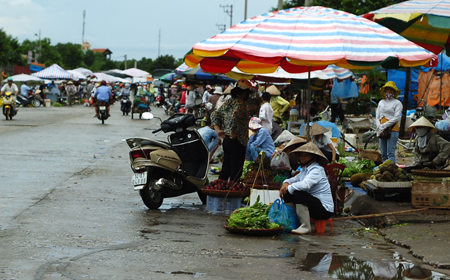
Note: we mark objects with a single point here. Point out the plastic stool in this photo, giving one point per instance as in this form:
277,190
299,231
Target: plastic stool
319,225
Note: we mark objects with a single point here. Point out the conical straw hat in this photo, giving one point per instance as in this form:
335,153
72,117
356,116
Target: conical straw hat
273,90
312,149
422,122
293,144
317,129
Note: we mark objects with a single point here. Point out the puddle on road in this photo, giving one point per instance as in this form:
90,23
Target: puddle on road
348,267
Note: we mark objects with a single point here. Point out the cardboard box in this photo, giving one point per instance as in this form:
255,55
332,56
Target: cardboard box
432,195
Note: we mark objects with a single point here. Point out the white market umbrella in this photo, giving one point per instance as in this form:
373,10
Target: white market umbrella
134,72
77,75
86,72
20,78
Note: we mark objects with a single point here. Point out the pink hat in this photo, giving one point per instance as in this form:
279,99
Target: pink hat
208,87
255,123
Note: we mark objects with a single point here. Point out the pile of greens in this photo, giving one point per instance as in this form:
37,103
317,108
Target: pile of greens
252,217
356,166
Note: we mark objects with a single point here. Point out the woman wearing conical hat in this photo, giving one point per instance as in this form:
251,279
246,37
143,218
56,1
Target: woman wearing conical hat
430,149
388,114
308,193
323,142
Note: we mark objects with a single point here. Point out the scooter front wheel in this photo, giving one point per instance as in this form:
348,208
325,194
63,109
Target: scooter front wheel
35,103
152,199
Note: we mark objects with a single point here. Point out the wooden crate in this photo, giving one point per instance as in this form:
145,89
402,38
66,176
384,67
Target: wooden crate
433,195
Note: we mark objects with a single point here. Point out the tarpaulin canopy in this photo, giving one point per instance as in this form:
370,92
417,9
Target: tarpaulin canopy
54,72
77,75
425,22
86,72
20,78
134,72
305,38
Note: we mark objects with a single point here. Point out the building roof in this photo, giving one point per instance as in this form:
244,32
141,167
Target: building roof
103,51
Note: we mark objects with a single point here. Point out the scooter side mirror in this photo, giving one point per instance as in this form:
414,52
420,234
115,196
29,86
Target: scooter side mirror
147,116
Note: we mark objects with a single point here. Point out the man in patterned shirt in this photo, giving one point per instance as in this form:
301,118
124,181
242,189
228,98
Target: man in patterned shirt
231,124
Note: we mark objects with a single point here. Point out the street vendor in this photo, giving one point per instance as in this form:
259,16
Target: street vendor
309,192
278,103
323,142
388,114
260,140
430,149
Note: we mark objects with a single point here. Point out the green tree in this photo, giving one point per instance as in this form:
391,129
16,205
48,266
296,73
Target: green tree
10,52
49,54
165,61
89,58
72,55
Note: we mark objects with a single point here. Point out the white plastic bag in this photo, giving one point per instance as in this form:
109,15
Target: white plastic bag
285,136
280,161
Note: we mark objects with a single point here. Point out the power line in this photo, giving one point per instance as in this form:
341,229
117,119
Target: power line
221,27
228,9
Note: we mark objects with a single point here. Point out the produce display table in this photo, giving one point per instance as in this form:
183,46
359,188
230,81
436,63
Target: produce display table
379,190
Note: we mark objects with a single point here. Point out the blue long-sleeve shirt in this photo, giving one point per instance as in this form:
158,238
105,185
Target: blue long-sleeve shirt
24,89
103,93
262,140
313,180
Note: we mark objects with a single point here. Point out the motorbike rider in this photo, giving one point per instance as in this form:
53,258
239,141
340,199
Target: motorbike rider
125,90
10,87
102,94
71,91
25,89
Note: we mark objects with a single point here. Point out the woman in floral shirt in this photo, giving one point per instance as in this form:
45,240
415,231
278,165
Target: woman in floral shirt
230,122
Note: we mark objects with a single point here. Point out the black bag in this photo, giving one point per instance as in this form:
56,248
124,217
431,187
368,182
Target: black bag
386,134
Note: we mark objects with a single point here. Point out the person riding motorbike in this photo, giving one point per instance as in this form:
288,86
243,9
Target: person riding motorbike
10,87
102,94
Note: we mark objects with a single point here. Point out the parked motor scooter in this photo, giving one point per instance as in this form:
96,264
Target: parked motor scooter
160,99
8,106
29,100
169,169
125,104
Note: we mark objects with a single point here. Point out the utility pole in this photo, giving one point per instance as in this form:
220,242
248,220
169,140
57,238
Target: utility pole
40,43
84,17
159,41
125,62
228,12
221,27
245,10
280,5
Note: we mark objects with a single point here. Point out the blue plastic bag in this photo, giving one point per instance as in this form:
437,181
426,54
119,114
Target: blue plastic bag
283,215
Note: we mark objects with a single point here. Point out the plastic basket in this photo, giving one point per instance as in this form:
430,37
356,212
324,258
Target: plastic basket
222,205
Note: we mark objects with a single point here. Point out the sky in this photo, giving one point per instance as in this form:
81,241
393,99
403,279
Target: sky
129,27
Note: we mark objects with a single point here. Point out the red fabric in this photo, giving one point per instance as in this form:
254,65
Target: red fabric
183,98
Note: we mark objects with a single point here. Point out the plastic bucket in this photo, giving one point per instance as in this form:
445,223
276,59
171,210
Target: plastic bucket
47,102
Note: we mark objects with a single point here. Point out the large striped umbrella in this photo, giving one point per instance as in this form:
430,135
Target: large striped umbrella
54,72
425,22
304,38
182,68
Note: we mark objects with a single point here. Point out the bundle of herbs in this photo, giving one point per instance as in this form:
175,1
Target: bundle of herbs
252,217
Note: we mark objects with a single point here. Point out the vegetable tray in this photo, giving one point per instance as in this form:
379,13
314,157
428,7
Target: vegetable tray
226,193
255,232
431,173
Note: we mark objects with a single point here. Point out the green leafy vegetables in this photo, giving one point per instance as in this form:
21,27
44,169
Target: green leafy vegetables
356,166
252,217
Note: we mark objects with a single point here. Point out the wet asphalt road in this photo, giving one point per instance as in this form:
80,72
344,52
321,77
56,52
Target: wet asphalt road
68,211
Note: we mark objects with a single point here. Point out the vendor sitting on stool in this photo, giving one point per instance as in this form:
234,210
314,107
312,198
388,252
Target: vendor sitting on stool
323,142
430,149
260,140
309,192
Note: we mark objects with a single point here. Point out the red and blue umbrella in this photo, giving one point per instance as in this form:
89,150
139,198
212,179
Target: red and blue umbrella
305,38
54,72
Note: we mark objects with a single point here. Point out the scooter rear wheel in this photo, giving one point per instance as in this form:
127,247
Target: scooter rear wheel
35,103
151,199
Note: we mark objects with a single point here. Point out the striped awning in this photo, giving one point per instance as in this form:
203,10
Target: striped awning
54,72
425,22
298,38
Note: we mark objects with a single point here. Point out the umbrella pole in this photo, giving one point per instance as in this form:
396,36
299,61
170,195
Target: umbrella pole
405,102
308,104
